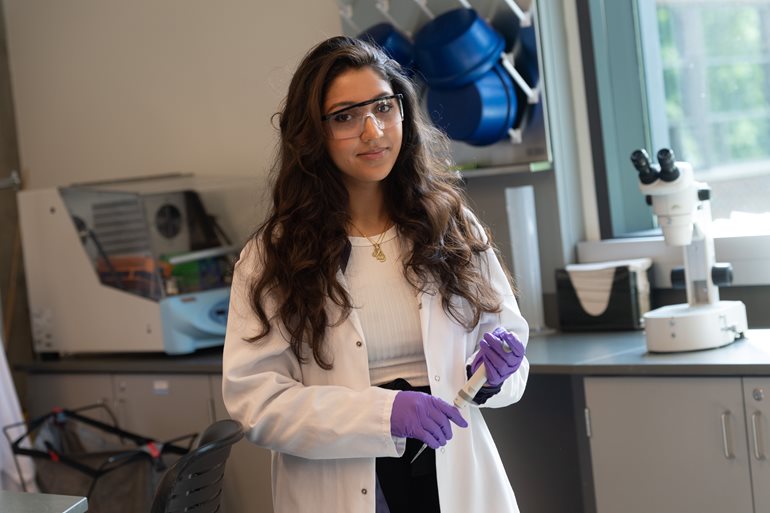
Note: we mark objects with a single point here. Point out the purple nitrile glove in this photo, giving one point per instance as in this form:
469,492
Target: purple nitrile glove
424,417
499,362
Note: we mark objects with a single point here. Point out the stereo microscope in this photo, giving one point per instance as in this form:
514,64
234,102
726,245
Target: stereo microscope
682,207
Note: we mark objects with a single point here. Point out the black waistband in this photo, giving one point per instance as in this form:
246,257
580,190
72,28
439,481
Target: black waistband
402,384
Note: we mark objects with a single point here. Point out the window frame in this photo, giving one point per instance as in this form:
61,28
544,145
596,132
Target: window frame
615,93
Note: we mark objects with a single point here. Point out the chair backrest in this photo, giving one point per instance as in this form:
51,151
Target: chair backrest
194,482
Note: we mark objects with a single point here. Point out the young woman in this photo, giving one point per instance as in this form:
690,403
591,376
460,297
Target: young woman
365,301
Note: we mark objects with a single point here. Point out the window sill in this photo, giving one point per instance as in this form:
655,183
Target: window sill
749,256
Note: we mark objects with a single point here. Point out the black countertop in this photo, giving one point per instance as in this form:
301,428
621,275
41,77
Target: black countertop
605,353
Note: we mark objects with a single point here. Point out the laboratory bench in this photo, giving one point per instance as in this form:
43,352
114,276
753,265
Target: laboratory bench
625,354
603,426
18,502
621,353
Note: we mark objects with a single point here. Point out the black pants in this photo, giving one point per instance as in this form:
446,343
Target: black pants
409,487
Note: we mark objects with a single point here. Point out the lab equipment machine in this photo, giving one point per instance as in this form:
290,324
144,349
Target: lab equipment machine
682,207
138,265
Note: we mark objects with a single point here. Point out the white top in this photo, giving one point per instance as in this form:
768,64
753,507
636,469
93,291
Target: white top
387,307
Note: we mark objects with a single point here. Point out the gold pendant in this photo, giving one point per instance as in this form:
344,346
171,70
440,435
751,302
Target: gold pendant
377,253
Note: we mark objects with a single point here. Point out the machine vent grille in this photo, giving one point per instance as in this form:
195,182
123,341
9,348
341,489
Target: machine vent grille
121,227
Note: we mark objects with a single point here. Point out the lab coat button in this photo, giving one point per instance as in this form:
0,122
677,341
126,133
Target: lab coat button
359,343
437,378
443,450
363,490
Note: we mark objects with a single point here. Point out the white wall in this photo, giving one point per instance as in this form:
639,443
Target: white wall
122,88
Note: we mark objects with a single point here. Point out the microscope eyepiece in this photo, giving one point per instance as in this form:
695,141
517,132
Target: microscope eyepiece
668,170
641,161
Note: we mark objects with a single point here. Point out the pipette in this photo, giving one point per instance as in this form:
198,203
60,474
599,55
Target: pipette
465,396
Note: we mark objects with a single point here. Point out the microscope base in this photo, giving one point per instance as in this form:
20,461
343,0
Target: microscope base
689,328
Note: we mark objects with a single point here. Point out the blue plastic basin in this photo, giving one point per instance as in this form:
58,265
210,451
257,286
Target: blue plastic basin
456,48
395,44
479,113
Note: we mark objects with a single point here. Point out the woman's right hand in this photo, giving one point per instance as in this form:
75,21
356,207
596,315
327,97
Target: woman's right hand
424,417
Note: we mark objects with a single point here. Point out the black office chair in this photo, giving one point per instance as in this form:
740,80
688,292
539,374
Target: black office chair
194,481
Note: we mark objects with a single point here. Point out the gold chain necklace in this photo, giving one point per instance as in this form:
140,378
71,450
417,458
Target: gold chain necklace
376,249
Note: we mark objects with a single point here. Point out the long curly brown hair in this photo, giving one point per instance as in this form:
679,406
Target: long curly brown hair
304,239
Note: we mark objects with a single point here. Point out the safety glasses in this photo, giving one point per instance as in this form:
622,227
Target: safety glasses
347,123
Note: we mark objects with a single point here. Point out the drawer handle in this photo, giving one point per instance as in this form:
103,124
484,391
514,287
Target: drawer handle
759,451
726,438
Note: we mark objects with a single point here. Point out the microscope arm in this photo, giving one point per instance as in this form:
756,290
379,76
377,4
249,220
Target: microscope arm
699,260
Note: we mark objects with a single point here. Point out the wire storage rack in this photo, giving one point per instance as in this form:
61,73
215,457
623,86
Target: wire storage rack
77,454
525,145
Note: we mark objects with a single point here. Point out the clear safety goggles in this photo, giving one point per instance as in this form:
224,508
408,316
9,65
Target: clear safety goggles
347,123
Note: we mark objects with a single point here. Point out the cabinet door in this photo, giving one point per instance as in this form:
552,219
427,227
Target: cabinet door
668,445
757,398
70,391
163,406
247,476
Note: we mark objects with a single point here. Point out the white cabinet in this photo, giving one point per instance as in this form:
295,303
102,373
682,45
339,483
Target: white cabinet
756,394
671,445
69,391
163,406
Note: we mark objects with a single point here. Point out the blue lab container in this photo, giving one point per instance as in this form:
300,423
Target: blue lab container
507,23
395,44
456,48
479,113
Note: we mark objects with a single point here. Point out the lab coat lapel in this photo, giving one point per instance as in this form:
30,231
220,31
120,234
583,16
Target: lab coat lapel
353,317
425,304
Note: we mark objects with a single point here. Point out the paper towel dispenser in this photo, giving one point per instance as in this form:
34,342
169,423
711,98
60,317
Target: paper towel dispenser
603,296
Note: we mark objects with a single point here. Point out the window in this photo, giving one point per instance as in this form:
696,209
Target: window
715,60
690,75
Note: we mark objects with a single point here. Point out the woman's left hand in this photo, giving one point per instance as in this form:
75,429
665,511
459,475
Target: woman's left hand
500,362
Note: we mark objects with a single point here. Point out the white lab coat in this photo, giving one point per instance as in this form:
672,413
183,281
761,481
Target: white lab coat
325,428
12,477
